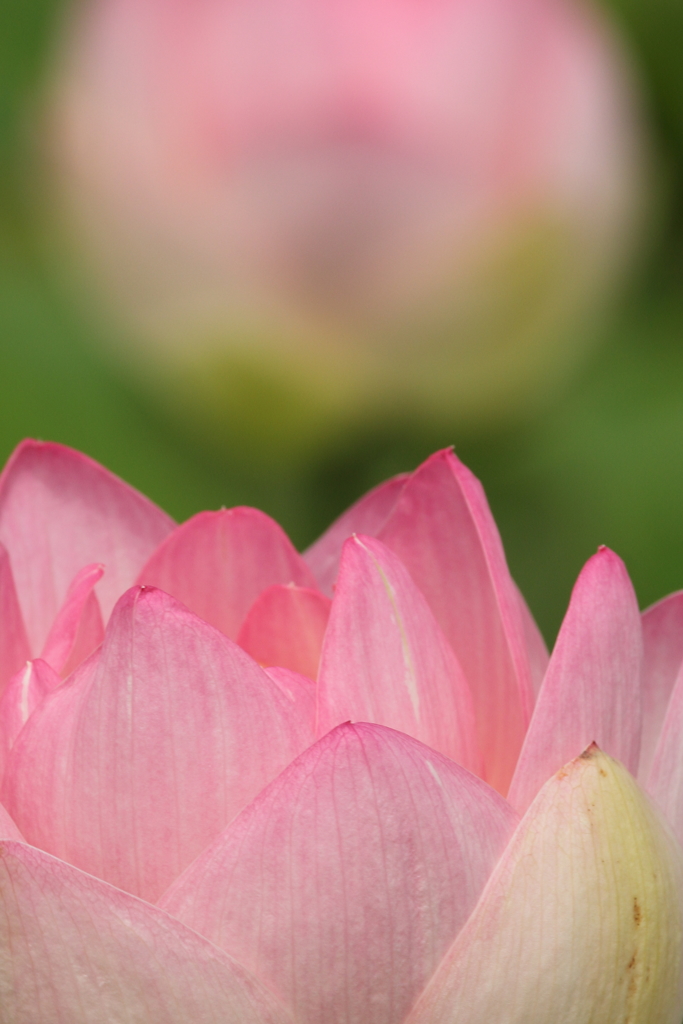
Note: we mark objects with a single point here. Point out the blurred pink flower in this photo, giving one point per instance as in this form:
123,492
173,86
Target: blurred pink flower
364,204
189,835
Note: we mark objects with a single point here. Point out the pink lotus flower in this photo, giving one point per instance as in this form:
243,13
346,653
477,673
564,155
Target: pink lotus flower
347,787
357,203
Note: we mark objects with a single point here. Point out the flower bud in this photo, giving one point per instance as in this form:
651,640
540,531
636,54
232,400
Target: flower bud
305,212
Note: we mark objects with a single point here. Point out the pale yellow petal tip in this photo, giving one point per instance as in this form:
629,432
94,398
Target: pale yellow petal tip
581,919
637,880
591,753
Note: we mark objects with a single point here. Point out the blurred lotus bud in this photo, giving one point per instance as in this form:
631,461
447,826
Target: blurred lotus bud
306,211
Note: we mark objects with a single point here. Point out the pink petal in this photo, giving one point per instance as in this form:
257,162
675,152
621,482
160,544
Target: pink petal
581,919
59,511
537,652
74,950
78,629
285,626
592,687
8,830
133,765
662,659
443,532
385,659
217,563
301,690
368,516
343,884
665,782
439,524
14,649
24,692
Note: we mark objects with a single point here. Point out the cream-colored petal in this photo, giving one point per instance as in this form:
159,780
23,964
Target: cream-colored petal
580,922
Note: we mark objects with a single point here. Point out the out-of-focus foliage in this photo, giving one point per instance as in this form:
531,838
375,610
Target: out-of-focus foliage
655,33
602,462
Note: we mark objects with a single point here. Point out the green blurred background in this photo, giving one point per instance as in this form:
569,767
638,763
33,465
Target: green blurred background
600,463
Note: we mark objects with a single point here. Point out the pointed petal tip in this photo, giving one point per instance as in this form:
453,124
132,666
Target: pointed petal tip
77,628
146,595
368,834
608,554
581,916
603,561
443,531
61,510
367,515
385,658
145,800
592,686
218,562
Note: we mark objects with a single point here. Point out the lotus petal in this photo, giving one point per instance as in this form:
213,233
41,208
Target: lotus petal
443,531
592,686
536,648
662,659
131,767
59,511
439,524
24,692
217,563
8,830
665,782
368,515
285,626
14,648
299,689
78,629
344,882
581,919
74,950
386,660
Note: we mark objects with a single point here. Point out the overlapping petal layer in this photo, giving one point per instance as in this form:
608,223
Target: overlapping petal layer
285,626
444,533
299,689
438,522
368,516
356,873
24,692
591,691
535,645
77,629
662,659
60,511
344,883
665,781
386,660
74,950
8,830
14,647
136,763
217,563
581,919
